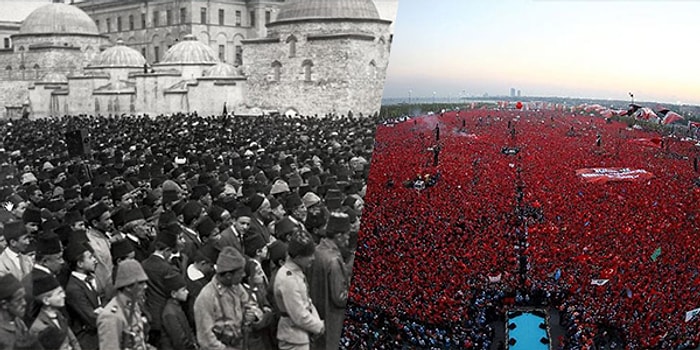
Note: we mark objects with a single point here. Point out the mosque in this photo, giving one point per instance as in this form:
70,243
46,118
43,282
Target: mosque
311,57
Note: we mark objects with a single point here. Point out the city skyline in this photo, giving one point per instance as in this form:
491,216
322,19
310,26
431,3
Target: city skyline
588,49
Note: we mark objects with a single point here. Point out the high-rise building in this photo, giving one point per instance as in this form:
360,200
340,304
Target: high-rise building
518,92
512,92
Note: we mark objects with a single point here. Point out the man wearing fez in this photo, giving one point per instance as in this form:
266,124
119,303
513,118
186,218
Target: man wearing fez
13,261
300,320
121,325
233,235
83,302
223,310
49,262
262,213
157,266
139,232
50,325
193,214
329,279
14,333
297,216
177,333
99,224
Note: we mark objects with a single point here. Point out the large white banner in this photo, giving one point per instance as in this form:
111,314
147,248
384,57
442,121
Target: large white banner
613,174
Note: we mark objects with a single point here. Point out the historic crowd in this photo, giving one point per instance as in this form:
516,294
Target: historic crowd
179,232
523,223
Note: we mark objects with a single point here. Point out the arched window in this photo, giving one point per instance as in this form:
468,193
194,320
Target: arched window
372,69
36,71
292,41
276,70
307,64
21,67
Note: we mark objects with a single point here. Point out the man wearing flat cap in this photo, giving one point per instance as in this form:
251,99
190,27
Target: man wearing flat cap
329,279
121,325
13,260
300,320
223,310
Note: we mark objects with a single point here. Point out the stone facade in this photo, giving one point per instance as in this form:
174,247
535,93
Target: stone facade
319,66
152,27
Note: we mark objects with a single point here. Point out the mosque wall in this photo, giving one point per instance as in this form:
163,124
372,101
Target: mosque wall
338,71
13,94
209,95
34,57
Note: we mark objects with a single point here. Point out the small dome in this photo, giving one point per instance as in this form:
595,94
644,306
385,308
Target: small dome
58,18
190,51
304,9
222,70
54,77
119,56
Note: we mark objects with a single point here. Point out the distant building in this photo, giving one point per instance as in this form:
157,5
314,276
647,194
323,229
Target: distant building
512,92
518,93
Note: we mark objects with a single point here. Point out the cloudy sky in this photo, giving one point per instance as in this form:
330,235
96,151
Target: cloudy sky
577,48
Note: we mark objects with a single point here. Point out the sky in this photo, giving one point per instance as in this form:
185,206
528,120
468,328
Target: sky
567,48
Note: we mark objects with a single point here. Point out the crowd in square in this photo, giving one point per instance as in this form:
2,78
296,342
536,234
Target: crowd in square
179,231
510,222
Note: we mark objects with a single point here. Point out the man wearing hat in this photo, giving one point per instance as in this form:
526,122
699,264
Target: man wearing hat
329,279
294,222
49,262
14,333
223,309
50,295
99,223
13,260
300,320
157,266
233,235
262,213
177,333
120,325
83,302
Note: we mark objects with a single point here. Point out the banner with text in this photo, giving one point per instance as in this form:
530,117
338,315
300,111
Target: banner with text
603,175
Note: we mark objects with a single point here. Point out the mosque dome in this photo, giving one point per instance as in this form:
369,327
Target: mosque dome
327,9
54,78
222,70
58,18
190,51
119,56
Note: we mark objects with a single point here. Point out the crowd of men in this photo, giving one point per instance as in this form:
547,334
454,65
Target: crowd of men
179,232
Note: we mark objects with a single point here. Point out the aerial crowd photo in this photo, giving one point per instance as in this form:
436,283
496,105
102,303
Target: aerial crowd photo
347,174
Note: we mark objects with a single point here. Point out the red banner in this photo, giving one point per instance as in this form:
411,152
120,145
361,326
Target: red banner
602,175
